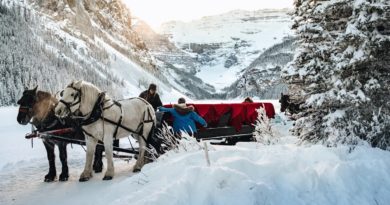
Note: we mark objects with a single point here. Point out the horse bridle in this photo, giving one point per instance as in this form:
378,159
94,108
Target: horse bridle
27,109
69,105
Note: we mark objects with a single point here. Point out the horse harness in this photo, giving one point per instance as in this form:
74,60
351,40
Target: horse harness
97,113
28,109
46,124
78,96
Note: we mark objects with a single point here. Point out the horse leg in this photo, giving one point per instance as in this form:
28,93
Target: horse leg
97,162
140,158
147,127
108,148
64,161
91,146
49,146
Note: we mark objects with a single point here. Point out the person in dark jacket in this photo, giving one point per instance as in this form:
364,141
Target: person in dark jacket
184,117
248,100
152,96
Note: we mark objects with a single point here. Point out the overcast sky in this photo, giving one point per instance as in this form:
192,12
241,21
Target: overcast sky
154,12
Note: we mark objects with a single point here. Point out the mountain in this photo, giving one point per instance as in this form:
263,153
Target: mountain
178,66
50,43
262,77
224,45
35,52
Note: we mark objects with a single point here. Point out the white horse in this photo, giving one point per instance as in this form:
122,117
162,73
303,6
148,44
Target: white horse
116,120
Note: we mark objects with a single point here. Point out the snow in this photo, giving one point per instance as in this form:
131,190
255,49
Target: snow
132,73
218,75
244,34
248,173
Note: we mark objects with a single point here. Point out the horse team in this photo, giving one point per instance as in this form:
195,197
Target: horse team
95,117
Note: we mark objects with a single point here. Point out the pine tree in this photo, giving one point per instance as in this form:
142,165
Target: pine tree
341,71
28,60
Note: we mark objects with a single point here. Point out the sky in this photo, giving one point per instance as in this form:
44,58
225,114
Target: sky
155,12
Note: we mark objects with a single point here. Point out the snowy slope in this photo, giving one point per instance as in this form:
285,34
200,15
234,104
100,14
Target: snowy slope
248,173
262,77
227,43
177,66
83,40
137,78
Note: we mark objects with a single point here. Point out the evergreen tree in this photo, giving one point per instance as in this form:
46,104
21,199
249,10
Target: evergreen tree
341,71
31,54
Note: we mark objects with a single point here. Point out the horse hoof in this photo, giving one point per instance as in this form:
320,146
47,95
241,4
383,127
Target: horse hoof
83,179
135,170
64,179
107,178
98,170
50,178
98,167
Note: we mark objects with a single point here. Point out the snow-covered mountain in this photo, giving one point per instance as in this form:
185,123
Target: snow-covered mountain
224,45
51,43
262,77
177,65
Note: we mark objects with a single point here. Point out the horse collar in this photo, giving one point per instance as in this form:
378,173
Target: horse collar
96,112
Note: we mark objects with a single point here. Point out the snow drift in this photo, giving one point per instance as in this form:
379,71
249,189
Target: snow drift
248,173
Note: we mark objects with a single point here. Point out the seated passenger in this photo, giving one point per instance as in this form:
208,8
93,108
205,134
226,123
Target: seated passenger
248,100
184,117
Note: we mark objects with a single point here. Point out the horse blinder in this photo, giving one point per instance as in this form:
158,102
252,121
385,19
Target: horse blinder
76,95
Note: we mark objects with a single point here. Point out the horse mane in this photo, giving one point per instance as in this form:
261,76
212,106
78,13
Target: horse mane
45,103
89,95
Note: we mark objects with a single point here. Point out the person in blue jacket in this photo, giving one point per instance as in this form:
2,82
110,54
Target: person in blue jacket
184,117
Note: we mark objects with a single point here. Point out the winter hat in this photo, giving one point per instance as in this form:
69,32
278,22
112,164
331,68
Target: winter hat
181,101
183,109
152,86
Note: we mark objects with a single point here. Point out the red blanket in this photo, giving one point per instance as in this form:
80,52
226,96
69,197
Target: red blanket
241,113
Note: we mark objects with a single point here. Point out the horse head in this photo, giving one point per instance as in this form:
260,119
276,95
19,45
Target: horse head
26,104
77,99
284,102
35,106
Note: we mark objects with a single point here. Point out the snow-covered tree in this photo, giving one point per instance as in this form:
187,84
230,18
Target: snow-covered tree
264,132
341,71
32,55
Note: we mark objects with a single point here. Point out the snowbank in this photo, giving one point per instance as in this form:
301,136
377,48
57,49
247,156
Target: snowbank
248,173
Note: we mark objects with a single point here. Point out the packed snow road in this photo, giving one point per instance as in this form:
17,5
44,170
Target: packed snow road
248,173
